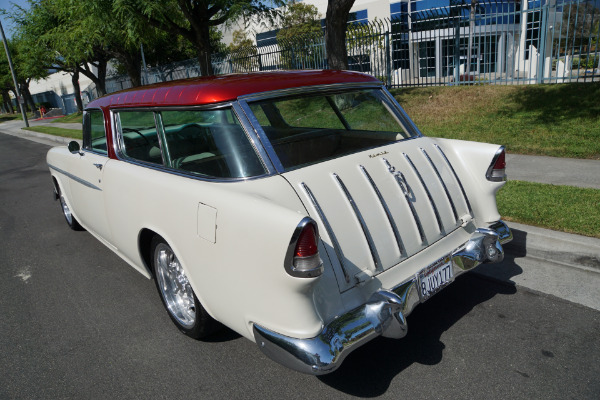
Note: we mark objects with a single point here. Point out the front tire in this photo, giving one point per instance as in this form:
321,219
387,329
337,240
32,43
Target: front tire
176,293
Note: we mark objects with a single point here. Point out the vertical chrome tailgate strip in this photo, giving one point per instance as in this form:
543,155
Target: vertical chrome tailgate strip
462,189
334,242
387,211
435,210
442,182
363,225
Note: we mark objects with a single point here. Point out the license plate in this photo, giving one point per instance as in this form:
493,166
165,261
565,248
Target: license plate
436,276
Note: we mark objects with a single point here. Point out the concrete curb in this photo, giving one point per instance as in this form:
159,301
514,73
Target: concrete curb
565,248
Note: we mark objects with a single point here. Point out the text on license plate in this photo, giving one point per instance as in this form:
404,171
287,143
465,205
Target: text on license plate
435,277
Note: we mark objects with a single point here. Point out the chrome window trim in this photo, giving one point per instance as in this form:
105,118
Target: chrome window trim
118,143
310,89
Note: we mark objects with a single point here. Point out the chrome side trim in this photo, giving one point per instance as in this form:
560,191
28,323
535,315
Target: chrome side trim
442,182
401,181
334,242
462,189
361,221
387,211
384,314
75,178
435,210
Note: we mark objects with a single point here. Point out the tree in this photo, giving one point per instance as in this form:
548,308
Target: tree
300,33
243,52
335,33
192,19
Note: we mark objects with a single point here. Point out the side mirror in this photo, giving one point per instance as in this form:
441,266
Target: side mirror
74,147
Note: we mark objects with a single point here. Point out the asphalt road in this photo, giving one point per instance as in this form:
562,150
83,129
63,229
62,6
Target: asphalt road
77,322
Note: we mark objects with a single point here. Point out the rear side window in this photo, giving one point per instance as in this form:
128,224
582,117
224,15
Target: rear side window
94,137
139,136
209,143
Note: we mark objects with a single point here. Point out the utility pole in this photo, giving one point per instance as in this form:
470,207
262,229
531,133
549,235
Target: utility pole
20,100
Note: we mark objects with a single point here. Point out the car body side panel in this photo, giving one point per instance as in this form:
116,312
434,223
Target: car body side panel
240,278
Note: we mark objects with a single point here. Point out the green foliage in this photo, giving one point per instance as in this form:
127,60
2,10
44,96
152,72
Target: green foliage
299,20
555,120
562,208
243,52
299,36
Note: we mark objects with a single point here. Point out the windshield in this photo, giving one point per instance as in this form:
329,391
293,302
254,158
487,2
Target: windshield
305,129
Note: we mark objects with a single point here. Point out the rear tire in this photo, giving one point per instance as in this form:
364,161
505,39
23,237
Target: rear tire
176,293
69,217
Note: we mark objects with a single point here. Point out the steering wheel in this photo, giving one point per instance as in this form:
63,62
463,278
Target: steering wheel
138,132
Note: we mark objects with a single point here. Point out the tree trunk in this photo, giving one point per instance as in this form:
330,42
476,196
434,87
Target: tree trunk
7,101
30,105
133,66
335,33
99,78
77,89
203,50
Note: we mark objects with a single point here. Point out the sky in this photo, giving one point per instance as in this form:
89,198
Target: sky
8,5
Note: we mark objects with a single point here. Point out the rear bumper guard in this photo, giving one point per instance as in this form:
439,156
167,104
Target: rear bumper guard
383,315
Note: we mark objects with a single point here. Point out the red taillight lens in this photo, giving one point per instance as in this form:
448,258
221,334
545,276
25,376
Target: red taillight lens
496,172
307,243
500,161
302,259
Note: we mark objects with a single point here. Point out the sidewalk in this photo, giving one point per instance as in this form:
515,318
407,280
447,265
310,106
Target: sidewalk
556,263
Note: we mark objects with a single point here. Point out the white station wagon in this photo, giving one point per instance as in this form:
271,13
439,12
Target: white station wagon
304,210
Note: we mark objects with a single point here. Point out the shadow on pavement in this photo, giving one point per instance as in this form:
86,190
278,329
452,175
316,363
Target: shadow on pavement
369,371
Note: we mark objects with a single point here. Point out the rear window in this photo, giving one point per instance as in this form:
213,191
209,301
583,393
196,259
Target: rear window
310,129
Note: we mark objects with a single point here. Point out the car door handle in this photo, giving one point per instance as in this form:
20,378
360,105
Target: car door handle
99,166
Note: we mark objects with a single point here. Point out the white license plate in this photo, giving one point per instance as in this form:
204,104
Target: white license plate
436,276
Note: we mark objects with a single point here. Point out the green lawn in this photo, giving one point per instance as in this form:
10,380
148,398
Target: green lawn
561,208
51,130
555,120
71,118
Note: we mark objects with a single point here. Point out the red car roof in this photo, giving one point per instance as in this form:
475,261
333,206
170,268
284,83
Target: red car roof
216,89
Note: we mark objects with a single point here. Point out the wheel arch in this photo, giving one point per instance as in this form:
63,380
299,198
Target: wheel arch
145,248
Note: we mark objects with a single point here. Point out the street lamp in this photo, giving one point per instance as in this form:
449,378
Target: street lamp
12,71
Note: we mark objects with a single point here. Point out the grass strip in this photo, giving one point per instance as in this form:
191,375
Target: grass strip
560,208
553,120
51,130
71,118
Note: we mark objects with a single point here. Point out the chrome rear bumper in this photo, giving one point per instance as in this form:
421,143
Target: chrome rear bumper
383,315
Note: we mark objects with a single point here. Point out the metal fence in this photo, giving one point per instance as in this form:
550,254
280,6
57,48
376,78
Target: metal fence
467,42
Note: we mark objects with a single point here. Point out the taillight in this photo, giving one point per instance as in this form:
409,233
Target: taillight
497,170
303,260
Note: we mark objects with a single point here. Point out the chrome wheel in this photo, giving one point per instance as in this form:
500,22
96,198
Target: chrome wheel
66,210
174,286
